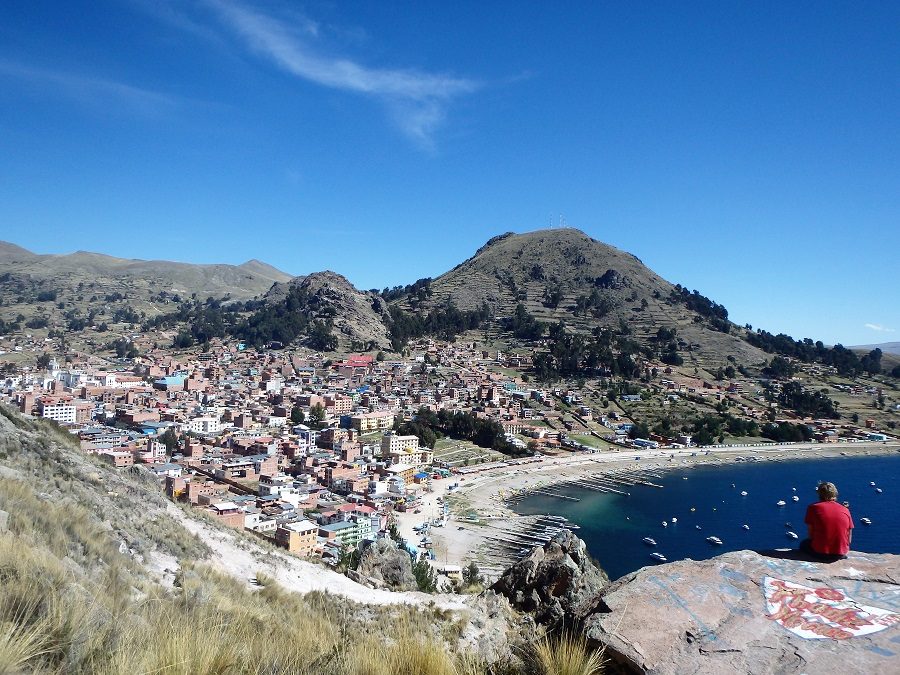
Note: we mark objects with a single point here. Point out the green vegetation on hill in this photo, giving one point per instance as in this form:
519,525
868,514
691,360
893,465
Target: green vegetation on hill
805,403
429,426
445,322
846,361
575,355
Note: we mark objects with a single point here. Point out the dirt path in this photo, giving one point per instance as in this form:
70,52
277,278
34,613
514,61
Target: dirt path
242,559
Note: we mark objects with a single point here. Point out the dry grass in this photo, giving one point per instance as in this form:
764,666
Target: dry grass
71,602
567,654
56,617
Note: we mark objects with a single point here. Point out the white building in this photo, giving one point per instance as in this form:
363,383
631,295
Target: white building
393,443
64,413
204,425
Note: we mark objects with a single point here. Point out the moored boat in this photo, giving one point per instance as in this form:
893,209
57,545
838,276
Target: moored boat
649,541
865,521
714,540
792,535
658,556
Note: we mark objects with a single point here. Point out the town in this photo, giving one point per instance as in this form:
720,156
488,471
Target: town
308,452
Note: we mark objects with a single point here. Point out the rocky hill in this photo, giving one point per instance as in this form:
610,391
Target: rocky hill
358,323
563,274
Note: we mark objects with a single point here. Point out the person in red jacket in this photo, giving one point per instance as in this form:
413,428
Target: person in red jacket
830,526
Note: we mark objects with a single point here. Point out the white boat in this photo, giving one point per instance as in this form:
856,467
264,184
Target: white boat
746,527
796,498
794,489
780,502
698,527
714,540
649,541
674,520
865,521
658,556
878,490
665,524
743,493
792,535
872,483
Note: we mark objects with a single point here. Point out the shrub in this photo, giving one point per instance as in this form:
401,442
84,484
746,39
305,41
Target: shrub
567,654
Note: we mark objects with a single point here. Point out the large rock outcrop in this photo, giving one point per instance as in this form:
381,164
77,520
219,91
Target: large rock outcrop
557,583
358,316
746,612
386,565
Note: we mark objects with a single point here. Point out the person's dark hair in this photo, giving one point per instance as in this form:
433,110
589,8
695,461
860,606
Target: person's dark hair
827,491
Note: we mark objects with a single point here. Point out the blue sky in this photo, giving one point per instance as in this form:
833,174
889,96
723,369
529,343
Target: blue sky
748,150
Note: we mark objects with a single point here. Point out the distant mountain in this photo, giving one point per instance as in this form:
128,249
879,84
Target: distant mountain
84,289
65,271
10,252
886,347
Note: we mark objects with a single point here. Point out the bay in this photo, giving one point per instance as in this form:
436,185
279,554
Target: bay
613,526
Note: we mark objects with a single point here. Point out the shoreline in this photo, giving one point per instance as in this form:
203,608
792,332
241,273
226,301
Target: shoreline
497,536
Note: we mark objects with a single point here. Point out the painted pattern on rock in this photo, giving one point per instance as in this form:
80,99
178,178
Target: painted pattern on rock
817,613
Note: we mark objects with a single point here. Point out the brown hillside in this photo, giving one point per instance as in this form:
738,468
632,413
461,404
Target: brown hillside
83,283
513,268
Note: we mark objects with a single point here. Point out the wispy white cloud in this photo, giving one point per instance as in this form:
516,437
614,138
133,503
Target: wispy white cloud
92,90
417,101
879,328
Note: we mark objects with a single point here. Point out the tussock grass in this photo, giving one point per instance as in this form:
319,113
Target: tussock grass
54,618
566,654
71,602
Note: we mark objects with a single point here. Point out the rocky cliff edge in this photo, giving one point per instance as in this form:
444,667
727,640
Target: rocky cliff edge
747,612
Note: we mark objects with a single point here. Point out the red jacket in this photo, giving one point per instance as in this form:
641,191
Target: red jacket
829,527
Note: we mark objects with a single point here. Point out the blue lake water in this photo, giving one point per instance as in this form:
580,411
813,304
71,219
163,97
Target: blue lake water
614,525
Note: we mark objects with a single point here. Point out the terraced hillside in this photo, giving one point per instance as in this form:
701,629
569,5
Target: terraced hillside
566,275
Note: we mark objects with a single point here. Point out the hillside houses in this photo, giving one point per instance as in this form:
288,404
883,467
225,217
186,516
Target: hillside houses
284,445
303,451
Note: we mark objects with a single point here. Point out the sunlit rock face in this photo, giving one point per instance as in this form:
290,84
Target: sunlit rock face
746,612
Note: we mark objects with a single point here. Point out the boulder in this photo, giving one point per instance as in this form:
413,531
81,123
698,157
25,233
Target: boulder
385,563
496,634
557,582
747,612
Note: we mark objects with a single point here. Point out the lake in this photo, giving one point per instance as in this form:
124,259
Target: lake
613,525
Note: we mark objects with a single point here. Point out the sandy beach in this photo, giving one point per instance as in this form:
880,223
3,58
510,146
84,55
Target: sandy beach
479,510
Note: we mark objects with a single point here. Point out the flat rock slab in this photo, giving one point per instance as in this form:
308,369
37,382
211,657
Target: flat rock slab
745,612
